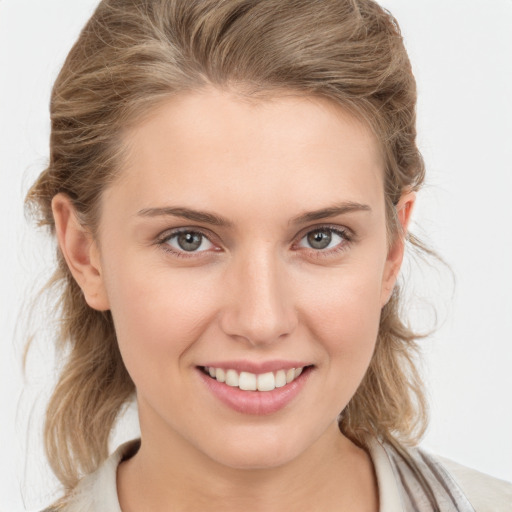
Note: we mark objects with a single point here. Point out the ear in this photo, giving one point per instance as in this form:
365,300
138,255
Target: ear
80,252
395,255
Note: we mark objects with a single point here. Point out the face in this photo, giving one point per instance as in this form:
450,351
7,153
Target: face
243,241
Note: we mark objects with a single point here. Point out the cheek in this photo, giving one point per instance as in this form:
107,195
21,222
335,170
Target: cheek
158,314
344,313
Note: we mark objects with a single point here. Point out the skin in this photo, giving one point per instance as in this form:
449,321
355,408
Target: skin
256,290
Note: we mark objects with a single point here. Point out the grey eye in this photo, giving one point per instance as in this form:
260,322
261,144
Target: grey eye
320,239
190,241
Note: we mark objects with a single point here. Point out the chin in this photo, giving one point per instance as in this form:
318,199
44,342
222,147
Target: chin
254,459
257,451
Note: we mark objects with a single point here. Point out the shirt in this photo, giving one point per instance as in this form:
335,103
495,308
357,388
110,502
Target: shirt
400,477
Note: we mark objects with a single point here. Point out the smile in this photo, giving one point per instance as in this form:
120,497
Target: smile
248,381
266,389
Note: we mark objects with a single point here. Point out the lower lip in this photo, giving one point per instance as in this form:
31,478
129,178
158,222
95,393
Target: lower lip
256,402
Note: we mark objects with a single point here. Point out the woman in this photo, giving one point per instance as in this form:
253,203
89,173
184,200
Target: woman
230,184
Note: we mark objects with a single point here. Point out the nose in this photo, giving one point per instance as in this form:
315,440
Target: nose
259,306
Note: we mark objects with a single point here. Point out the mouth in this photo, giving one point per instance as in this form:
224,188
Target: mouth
256,388
247,381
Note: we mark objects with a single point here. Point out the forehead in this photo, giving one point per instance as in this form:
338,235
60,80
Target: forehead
212,143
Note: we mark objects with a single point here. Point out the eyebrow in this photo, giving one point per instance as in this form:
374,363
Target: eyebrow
217,220
187,213
331,211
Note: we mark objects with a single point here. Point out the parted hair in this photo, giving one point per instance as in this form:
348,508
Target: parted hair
131,56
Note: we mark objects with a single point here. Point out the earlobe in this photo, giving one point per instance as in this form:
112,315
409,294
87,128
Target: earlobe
80,252
395,256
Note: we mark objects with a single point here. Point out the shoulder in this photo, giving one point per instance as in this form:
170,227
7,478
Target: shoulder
97,492
486,493
465,486
427,482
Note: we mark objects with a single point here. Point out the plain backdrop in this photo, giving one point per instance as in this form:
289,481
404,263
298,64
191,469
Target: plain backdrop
462,58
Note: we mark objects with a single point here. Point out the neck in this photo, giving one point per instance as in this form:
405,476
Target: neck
167,472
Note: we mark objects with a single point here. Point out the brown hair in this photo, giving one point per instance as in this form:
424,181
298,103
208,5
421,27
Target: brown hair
133,54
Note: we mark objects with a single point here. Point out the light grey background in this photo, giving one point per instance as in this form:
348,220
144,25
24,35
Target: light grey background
462,57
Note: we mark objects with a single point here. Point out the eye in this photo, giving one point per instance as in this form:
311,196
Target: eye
188,241
323,238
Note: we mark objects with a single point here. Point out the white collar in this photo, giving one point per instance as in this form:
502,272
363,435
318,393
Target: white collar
97,492
389,494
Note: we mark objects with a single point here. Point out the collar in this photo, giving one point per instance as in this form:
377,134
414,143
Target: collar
98,491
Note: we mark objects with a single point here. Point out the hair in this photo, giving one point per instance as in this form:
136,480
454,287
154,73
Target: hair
131,56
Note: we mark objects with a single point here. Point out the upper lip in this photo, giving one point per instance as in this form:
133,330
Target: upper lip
256,367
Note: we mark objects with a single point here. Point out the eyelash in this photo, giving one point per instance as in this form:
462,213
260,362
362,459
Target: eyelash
344,233
163,240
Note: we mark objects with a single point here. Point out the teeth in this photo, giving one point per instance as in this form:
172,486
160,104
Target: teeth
266,382
251,382
280,379
247,381
232,378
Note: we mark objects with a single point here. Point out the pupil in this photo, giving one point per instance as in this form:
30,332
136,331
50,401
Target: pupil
189,241
319,239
